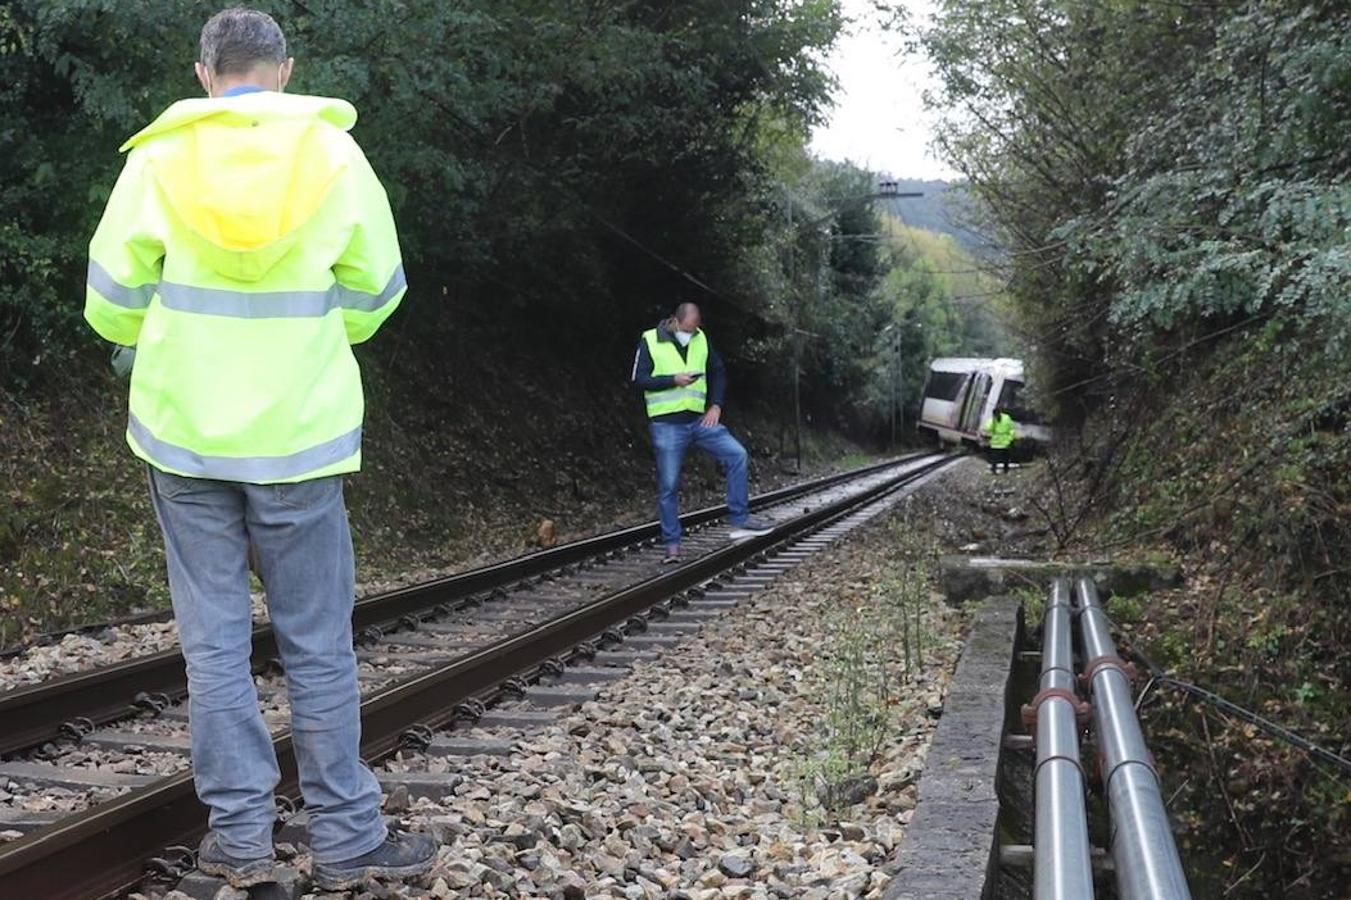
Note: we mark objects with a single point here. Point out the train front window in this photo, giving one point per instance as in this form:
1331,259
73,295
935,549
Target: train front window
1010,397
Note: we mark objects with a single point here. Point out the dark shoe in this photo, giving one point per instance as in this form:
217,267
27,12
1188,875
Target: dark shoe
672,555
752,527
402,855
240,873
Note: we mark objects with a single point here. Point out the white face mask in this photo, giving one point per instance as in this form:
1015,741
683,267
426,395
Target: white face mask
684,337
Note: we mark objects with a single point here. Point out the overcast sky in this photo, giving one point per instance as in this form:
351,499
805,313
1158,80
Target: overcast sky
879,120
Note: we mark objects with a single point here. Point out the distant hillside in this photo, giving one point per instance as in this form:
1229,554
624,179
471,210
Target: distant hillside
942,209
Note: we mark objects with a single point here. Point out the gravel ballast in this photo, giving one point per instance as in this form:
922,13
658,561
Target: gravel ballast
697,775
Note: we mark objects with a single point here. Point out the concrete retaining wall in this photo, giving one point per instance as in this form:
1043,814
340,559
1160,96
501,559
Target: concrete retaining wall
949,847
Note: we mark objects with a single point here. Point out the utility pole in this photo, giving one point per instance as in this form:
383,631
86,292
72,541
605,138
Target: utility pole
896,375
896,343
900,386
797,338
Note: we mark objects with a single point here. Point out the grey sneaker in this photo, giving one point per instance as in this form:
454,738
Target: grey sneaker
240,873
402,855
672,555
752,527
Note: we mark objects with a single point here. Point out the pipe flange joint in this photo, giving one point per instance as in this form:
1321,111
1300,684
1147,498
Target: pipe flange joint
1030,710
1107,661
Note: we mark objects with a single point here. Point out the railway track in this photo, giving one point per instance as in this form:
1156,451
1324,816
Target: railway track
430,656
63,706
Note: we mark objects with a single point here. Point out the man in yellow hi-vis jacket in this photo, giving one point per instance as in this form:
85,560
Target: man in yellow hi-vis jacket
246,246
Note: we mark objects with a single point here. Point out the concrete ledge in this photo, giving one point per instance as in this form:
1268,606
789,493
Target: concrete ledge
967,577
948,852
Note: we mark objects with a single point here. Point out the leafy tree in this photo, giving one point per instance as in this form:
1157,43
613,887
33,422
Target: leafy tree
542,155
1151,169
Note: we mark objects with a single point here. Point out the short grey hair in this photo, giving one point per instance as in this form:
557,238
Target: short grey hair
237,39
683,311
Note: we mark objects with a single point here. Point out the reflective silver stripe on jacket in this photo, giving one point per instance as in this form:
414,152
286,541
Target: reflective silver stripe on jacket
276,304
670,395
115,292
253,469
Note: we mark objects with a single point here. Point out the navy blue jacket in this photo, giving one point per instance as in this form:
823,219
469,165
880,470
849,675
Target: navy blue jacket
643,379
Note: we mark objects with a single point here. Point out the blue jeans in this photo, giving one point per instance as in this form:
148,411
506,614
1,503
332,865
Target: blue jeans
304,552
670,441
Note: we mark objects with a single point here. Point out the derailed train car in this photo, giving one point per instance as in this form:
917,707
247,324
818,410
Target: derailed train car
960,397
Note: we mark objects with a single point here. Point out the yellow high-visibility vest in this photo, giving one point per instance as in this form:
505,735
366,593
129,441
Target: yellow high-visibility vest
1002,432
246,245
666,360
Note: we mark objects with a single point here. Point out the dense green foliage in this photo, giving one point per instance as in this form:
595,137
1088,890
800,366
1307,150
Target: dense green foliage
538,154
1169,181
559,171
1156,171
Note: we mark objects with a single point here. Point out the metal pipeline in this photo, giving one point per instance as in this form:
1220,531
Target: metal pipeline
1061,866
1143,851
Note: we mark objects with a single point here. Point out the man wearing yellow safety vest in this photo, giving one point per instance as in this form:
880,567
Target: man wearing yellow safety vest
1003,431
683,383
246,246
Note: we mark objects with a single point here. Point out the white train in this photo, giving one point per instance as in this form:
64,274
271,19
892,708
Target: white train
960,396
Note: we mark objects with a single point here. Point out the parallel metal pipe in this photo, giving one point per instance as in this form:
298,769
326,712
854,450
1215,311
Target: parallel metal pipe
1061,866
1144,853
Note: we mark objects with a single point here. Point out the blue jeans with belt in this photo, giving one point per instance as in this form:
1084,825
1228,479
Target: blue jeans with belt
304,552
670,440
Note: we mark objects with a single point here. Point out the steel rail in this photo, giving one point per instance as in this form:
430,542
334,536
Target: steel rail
32,715
101,854
1144,854
1062,869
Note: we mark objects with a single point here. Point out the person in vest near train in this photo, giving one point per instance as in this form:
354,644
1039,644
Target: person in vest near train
1003,432
684,383
245,247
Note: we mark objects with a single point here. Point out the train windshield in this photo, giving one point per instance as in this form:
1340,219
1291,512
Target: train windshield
1013,398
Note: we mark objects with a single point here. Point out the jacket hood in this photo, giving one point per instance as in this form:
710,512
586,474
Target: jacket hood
244,173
